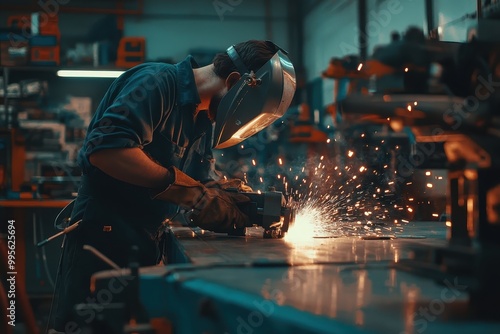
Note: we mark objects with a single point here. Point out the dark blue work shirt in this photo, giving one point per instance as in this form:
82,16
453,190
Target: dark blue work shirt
150,106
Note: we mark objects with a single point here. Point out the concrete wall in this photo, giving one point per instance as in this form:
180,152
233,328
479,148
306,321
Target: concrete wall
211,26
330,30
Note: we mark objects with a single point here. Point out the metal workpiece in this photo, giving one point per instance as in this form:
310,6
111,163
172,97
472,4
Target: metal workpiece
247,284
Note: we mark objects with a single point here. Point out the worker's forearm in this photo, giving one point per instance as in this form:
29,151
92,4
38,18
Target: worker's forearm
133,166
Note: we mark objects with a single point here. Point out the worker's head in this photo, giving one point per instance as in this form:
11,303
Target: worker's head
259,86
254,54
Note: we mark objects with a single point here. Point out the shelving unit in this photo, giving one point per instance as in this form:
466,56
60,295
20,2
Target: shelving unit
12,177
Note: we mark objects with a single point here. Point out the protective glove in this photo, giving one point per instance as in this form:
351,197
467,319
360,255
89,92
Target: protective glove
231,183
212,208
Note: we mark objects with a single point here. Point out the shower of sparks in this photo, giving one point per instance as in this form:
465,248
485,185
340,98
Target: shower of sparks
337,196
333,204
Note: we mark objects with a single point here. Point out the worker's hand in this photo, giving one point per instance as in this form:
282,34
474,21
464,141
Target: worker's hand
224,184
217,211
212,208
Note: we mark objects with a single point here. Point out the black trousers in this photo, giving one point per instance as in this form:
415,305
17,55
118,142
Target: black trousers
113,233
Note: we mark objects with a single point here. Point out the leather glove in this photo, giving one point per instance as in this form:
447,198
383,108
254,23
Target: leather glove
212,208
231,183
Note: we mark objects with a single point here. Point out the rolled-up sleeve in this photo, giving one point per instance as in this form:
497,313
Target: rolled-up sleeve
131,110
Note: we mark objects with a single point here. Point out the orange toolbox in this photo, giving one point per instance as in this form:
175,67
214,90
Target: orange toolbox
45,55
131,51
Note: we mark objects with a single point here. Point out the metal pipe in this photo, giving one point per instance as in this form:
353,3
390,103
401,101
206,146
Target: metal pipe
363,38
429,10
78,10
231,17
296,17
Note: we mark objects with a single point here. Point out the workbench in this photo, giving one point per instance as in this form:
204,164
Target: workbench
216,283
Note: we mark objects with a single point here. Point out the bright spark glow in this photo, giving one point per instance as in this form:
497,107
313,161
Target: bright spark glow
261,179
428,173
429,185
254,162
406,69
360,66
328,141
280,161
435,215
350,154
362,169
307,220
409,108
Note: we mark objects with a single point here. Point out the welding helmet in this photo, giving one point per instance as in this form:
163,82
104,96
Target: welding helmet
256,100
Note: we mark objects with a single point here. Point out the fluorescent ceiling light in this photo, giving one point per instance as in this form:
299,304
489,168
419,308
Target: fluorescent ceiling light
88,74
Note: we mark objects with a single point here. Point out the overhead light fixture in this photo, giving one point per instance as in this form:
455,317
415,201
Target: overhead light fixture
88,74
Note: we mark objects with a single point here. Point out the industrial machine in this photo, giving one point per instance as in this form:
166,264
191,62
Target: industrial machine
464,120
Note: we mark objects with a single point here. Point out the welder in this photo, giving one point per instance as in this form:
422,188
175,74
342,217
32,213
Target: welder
148,151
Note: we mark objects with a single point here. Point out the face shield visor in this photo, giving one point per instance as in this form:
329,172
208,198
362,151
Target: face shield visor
255,101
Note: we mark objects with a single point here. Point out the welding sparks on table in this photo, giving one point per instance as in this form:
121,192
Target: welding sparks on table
330,203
